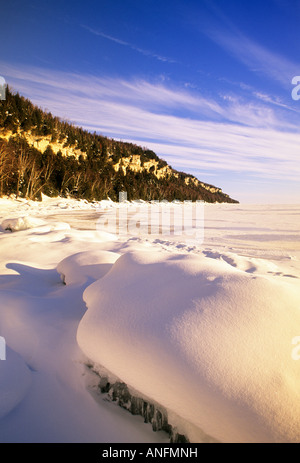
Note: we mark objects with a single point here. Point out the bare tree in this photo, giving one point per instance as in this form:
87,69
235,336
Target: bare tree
23,165
38,178
6,165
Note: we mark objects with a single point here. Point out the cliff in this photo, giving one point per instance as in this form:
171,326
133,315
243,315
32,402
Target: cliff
60,158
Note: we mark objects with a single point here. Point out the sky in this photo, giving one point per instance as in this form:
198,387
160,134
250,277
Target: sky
210,85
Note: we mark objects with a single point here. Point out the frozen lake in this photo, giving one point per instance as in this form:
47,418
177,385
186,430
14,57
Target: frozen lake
198,310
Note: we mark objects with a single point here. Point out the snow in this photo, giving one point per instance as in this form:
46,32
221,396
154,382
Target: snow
219,336
15,380
21,223
86,266
208,327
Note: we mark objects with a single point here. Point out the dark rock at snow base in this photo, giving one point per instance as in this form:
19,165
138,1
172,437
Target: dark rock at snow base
119,392
104,385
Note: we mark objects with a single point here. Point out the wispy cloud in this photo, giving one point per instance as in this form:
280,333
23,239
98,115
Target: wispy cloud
129,45
256,57
191,132
274,101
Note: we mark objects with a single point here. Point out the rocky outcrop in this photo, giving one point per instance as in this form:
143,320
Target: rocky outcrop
42,143
135,164
193,180
132,162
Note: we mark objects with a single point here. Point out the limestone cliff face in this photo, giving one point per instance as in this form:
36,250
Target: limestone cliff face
132,162
190,179
135,164
42,143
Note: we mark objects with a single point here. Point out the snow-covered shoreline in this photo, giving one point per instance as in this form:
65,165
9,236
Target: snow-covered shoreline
204,328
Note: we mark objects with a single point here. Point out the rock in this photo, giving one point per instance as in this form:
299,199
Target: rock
104,384
152,413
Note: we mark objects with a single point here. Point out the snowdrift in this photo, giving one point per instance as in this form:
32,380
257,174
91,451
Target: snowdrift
203,338
15,379
84,267
22,223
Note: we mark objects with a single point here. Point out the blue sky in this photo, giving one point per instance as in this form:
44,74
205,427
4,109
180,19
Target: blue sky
206,84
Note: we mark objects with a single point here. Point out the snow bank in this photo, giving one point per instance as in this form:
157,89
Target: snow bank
86,266
203,338
15,379
22,223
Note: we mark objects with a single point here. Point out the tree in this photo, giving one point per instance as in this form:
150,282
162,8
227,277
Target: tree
41,170
23,164
6,166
